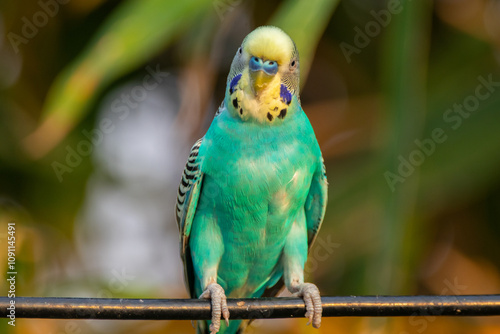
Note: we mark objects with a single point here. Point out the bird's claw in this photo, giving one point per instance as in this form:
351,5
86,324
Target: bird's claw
310,293
216,294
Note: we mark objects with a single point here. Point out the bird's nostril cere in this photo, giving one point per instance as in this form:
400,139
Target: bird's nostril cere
271,67
255,64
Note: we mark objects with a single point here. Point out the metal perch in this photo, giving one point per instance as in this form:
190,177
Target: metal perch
259,308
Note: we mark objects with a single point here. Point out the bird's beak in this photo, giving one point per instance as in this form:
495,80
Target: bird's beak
261,73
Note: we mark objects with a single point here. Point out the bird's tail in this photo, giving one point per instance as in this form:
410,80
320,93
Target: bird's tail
235,327
201,327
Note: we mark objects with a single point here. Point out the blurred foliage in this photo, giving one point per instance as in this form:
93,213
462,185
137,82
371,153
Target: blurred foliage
382,78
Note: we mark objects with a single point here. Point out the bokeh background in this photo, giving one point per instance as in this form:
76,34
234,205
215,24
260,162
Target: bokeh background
100,102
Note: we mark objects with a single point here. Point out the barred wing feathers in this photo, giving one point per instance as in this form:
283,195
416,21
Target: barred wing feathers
187,200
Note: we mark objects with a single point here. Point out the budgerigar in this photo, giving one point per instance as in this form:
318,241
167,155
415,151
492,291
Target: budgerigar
254,191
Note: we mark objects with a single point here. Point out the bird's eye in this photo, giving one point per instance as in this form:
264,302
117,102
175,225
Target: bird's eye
293,65
239,50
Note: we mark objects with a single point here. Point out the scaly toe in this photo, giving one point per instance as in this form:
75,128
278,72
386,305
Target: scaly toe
216,294
312,299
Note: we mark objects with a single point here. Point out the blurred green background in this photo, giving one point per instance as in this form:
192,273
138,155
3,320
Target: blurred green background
100,102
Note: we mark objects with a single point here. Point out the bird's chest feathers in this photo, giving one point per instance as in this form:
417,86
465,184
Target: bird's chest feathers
268,174
268,106
271,177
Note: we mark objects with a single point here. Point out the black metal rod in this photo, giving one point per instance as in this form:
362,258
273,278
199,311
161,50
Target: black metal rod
260,308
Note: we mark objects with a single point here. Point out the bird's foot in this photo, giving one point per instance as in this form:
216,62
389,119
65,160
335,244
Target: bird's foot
216,294
310,293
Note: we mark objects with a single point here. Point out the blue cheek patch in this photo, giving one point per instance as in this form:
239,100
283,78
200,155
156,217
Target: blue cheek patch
285,95
234,82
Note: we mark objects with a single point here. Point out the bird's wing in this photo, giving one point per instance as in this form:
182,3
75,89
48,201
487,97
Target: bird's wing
187,201
316,201
315,208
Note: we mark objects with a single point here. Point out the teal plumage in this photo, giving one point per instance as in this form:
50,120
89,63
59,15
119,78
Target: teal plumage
254,190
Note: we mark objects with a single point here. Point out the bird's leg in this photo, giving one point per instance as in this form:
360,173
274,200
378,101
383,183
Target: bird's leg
215,293
294,258
206,252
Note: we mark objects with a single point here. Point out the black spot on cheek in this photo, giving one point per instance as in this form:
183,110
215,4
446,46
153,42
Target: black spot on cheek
269,117
241,111
235,103
282,113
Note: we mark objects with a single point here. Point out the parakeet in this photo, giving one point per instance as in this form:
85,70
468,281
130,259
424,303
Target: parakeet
254,191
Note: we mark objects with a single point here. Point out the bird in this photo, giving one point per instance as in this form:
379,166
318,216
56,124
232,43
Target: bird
253,193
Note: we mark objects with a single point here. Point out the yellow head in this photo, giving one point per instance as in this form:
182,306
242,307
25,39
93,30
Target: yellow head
264,75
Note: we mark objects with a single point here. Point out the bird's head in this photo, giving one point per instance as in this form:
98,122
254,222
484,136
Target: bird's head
264,77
